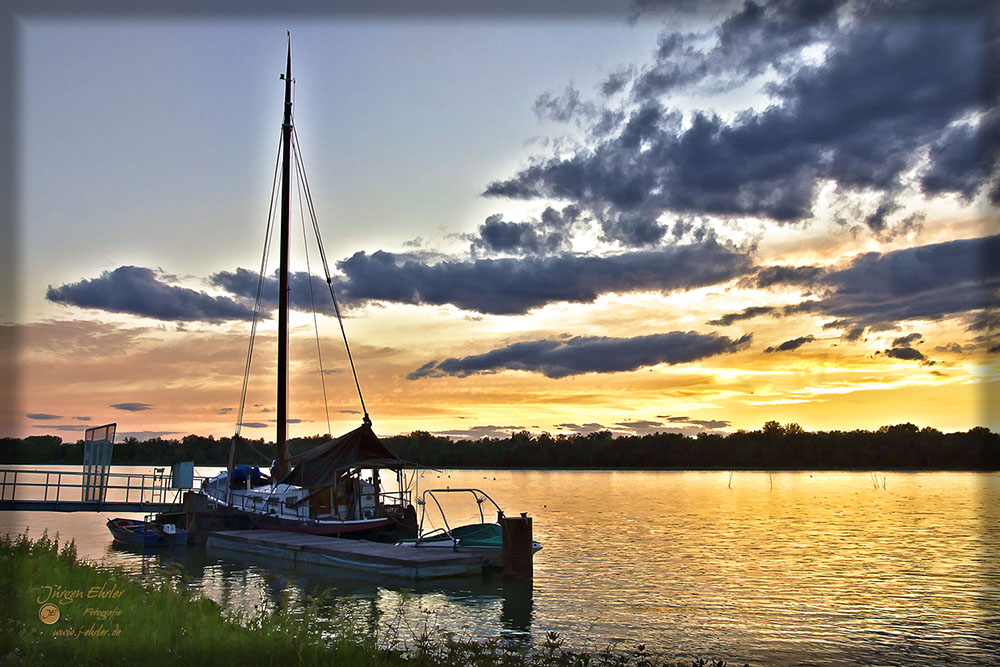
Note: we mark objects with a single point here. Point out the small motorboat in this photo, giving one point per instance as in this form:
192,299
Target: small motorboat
484,539
147,533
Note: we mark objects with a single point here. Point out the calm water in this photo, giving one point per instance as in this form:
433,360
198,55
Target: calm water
784,568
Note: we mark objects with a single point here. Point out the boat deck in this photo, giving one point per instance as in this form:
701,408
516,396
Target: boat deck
346,555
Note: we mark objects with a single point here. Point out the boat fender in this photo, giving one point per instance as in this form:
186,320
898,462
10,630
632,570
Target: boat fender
367,514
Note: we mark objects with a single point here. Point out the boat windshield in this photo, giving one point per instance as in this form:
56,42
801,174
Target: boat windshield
432,495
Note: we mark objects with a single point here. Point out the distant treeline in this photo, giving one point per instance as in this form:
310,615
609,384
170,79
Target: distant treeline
773,447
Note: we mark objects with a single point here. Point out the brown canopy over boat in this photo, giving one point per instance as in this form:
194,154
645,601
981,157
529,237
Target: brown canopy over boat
323,465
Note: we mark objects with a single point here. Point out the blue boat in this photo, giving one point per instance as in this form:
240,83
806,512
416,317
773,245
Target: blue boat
146,533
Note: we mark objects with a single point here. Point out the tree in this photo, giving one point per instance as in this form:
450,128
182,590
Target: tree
773,428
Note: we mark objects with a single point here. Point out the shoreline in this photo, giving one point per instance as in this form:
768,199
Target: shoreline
58,609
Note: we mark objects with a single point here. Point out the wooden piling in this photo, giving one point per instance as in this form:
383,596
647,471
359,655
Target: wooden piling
517,547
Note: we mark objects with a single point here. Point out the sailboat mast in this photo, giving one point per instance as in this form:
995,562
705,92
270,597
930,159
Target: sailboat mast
286,143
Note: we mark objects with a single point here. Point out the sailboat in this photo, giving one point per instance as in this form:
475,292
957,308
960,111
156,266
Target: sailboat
336,488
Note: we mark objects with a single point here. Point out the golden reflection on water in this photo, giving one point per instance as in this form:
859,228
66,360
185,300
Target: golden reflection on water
798,562
780,568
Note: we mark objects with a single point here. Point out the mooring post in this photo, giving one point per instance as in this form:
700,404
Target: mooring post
517,542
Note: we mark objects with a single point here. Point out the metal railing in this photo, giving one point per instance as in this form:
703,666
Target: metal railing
480,497
68,489
300,508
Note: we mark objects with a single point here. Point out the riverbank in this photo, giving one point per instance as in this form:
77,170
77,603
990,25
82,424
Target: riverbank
774,447
56,609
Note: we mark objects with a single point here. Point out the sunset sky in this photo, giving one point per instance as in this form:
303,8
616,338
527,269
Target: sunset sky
640,219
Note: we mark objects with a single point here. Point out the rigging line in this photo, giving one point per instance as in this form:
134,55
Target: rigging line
309,201
259,453
297,152
260,289
312,296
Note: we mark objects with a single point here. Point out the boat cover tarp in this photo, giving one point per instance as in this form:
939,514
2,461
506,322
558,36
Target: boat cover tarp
321,465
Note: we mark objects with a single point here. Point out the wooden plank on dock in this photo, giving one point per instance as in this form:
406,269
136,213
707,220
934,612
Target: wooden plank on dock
346,555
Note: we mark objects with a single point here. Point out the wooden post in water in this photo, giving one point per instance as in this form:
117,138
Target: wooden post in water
517,542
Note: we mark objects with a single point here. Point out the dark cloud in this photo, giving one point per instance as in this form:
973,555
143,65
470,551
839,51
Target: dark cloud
42,416
854,334
880,290
986,321
510,286
961,160
770,276
424,371
907,353
562,108
952,348
224,411
548,235
551,233
773,311
588,354
789,345
254,425
132,407
477,432
583,429
876,220
500,236
302,289
710,423
146,435
908,340
641,426
706,423
615,82
746,43
889,96
634,229
745,314
138,291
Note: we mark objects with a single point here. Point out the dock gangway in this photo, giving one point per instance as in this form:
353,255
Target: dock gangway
24,490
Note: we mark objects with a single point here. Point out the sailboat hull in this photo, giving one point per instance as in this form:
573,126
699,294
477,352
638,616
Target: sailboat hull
218,516
280,507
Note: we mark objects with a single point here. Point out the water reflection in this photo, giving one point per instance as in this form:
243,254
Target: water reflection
480,605
517,608
783,568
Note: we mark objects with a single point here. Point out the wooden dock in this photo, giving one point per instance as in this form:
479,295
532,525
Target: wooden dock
346,556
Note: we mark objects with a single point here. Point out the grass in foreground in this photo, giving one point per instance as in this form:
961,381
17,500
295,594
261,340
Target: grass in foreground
107,617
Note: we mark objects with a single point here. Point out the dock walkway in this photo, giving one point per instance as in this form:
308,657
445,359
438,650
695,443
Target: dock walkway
346,555
68,490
